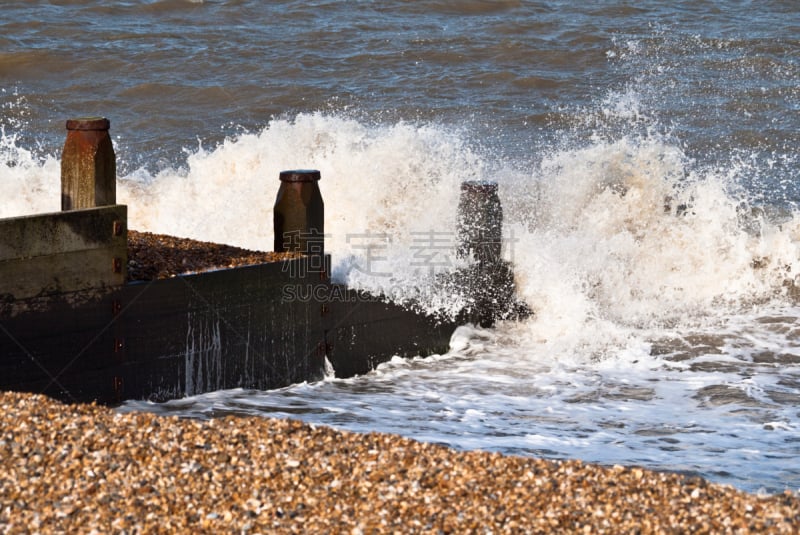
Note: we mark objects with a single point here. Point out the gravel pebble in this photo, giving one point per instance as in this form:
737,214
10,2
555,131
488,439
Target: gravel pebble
88,469
158,256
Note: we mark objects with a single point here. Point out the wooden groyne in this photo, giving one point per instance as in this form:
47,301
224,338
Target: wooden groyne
74,325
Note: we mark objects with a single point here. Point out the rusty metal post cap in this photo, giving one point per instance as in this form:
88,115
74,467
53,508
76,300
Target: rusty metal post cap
479,186
300,175
88,123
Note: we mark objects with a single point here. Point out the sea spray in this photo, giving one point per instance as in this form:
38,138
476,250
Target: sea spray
391,194
627,235
628,230
28,184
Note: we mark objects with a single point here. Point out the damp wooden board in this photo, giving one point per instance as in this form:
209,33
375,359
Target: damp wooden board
60,252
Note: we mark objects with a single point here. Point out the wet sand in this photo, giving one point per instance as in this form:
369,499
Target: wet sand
86,468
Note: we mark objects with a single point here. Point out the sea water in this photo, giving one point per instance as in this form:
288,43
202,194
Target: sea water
647,162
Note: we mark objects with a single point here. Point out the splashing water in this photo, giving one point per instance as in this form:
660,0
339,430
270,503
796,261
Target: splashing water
664,331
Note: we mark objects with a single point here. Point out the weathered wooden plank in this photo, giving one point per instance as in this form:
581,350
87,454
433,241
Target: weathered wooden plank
156,380
223,329
168,338
62,252
244,314
63,272
62,232
367,332
229,327
53,356
48,340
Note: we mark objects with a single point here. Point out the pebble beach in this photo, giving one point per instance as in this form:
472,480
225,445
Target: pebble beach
663,337
159,256
89,469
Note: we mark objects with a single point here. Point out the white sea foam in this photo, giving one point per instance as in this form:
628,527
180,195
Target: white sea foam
624,231
28,184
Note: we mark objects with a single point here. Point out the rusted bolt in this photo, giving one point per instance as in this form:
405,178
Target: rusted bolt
117,228
119,345
119,386
116,307
116,265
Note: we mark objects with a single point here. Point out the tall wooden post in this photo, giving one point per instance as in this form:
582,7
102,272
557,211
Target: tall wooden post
299,213
489,281
88,165
480,222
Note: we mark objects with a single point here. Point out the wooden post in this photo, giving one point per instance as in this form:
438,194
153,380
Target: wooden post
299,213
480,222
489,282
88,165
